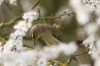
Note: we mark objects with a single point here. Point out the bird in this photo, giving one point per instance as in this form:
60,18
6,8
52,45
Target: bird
47,32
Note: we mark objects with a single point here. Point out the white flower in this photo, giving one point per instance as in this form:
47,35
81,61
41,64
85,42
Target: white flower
0,43
8,46
13,2
89,40
91,48
98,44
92,7
1,2
22,25
20,33
1,47
82,12
82,17
31,15
68,49
97,62
66,10
98,21
84,65
95,54
91,28
51,50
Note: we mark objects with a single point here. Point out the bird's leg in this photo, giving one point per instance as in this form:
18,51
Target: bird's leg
34,41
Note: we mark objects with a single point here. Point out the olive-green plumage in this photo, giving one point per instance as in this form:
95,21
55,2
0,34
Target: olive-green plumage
49,34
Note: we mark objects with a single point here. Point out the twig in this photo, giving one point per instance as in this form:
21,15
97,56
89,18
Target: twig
36,3
12,22
52,17
74,57
7,5
79,42
2,39
81,53
69,60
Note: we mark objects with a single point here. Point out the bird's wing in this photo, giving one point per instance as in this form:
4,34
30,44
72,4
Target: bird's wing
56,33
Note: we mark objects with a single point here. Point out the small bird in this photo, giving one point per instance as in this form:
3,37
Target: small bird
49,34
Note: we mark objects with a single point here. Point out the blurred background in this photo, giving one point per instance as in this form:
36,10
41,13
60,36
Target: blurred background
67,24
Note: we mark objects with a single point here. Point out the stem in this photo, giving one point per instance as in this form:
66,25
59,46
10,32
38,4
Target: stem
81,53
67,14
69,60
48,17
12,22
7,5
74,57
36,3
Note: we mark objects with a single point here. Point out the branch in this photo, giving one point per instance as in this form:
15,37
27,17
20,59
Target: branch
36,3
52,17
81,53
8,24
79,42
69,60
12,22
3,38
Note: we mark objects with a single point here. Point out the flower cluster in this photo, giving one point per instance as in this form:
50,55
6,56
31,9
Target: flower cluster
83,14
36,57
20,30
13,53
13,2
93,4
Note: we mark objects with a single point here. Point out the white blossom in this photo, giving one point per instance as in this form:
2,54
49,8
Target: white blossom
91,28
84,65
91,48
89,40
97,62
1,46
83,10
21,24
92,4
31,15
98,21
66,10
82,13
13,2
68,49
1,2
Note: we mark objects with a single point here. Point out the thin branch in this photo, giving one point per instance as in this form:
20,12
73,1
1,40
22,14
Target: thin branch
79,42
34,5
12,22
69,60
7,5
52,17
19,3
74,57
81,53
2,39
